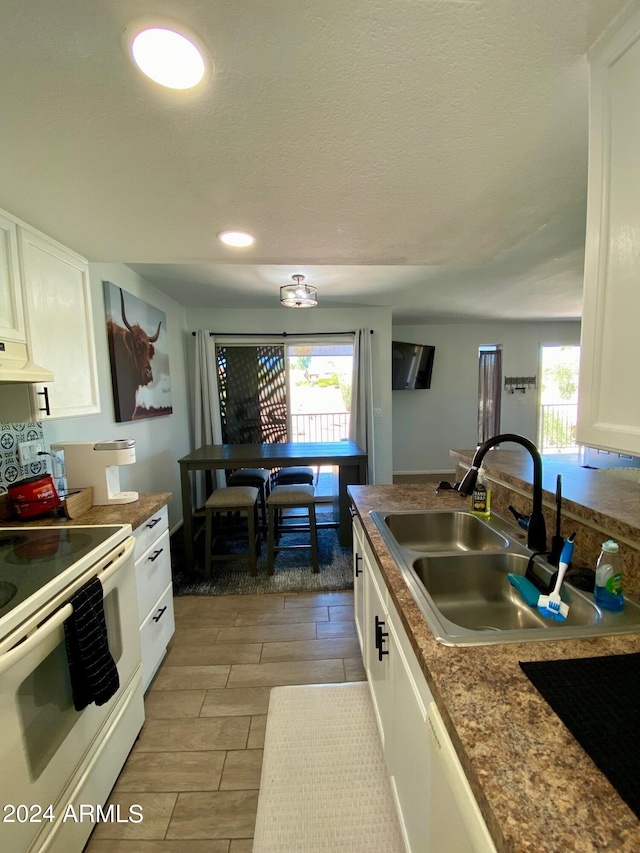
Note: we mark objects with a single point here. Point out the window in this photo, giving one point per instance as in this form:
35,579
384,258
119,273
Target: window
319,395
558,414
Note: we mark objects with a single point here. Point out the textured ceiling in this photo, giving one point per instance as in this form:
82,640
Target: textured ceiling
429,155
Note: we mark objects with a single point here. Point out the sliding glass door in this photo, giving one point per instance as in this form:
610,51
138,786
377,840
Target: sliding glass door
285,392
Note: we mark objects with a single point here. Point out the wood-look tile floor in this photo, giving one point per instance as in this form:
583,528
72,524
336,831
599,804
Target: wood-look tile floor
195,768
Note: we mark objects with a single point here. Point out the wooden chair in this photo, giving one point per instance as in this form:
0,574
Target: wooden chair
242,499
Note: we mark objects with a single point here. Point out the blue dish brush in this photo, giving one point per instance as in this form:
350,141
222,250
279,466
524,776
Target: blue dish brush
552,606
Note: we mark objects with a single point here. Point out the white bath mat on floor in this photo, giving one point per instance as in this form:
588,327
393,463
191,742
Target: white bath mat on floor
324,784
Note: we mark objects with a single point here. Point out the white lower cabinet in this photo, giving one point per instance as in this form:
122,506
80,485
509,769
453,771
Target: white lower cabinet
155,591
155,633
410,761
436,807
376,652
457,825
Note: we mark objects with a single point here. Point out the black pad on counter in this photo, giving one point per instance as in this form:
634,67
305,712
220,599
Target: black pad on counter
598,700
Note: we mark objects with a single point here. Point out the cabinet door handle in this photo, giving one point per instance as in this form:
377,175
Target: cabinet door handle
352,511
380,638
155,555
160,612
153,523
358,571
44,393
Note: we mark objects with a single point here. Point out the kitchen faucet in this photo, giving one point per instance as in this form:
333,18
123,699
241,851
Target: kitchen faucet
536,530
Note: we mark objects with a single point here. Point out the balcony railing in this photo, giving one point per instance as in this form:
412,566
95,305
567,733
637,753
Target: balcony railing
558,426
320,426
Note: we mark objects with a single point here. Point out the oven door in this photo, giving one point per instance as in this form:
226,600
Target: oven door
45,742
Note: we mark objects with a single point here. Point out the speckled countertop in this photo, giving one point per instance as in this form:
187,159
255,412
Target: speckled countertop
538,790
134,513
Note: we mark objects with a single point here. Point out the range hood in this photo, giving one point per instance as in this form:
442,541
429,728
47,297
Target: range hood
15,365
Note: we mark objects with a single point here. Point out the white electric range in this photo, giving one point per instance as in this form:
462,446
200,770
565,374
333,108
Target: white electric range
55,759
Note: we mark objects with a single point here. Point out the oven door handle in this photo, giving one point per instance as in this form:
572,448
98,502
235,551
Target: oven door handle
45,629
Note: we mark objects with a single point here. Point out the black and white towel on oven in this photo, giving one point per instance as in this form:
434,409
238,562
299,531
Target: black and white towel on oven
92,669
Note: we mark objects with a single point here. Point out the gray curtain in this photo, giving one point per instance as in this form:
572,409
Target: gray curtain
361,421
207,429
489,393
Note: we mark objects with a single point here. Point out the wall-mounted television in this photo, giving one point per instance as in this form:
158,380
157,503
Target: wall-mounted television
411,366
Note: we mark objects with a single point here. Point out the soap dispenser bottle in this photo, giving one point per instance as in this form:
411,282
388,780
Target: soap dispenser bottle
608,588
480,500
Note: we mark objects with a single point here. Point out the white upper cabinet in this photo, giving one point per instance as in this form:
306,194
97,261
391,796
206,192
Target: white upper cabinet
11,311
57,301
609,410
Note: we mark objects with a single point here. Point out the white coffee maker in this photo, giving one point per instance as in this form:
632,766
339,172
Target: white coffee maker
96,464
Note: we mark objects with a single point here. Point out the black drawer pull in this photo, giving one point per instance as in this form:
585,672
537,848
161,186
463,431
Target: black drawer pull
352,511
159,616
153,523
357,570
155,555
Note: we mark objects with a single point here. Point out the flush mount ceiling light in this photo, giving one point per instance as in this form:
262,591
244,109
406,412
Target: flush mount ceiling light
237,239
167,55
298,295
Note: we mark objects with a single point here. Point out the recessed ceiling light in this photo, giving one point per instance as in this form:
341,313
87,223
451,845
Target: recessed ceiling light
168,57
238,239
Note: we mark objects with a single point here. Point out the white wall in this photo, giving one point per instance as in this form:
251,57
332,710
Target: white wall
429,423
252,321
161,441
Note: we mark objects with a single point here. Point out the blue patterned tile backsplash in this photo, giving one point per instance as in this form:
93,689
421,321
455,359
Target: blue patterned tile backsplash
10,469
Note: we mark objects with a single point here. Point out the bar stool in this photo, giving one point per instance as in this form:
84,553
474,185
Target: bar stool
295,496
257,477
295,475
243,499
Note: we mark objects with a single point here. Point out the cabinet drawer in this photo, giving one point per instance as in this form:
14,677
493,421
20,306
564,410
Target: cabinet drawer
155,633
153,573
150,530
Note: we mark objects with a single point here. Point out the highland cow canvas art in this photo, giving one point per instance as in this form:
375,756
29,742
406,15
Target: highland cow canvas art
138,350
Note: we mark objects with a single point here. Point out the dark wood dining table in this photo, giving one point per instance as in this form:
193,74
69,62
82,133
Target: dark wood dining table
347,456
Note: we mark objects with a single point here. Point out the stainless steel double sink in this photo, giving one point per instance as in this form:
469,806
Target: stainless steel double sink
456,566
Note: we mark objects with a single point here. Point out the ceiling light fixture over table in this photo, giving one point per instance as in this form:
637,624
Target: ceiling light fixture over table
298,295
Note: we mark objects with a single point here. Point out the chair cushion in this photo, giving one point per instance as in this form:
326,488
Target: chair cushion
232,497
248,477
295,474
294,495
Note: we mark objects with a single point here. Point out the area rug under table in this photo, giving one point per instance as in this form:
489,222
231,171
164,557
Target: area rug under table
324,784
292,569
